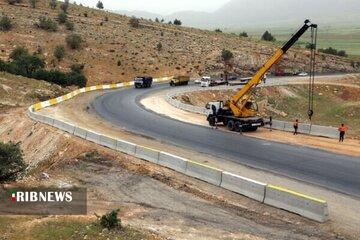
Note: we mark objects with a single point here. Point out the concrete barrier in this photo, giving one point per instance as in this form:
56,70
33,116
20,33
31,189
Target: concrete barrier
147,154
203,172
48,120
304,128
108,142
67,127
329,132
244,186
173,162
93,137
126,147
276,124
301,204
80,132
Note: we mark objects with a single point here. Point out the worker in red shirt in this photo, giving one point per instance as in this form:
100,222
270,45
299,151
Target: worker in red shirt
296,126
342,130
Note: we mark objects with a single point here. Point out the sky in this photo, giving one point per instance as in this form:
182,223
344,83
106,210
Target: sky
158,6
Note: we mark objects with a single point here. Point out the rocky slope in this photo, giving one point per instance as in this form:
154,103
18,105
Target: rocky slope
114,51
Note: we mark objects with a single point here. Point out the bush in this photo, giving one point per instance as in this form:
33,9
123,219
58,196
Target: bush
69,26
218,30
17,52
5,23
226,55
64,6
47,24
53,4
11,161
177,22
74,41
62,17
110,220
333,51
243,34
59,52
100,5
268,37
134,22
77,67
33,3
12,2
159,46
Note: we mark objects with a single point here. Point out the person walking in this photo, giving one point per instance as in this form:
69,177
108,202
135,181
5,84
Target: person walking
296,127
213,108
342,131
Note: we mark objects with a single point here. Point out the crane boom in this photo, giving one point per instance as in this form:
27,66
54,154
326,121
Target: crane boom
255,80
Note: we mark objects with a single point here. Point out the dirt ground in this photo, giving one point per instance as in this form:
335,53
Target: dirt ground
150,197
343,209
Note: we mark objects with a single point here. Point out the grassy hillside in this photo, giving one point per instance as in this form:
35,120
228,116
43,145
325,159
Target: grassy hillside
114,51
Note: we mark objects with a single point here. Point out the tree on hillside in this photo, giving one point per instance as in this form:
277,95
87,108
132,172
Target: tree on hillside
47,24
17,52
177,22
226,57
74,41
33,3
162,20
268,37
62,17
59,52
53,4
156,20
5,23
11,161
243,34
218,30
100,5
134,22
65,5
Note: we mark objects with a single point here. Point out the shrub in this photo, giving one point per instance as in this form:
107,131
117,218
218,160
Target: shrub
226,55
77,67
69,26
59,52
268,37
5,23
110,220
134,22
62,17
100,5
33,3
333,51
17,52
159,46
64,6
74,41
27,64
53,4
47,24
11,161
177,22
218,30
243,34
12,2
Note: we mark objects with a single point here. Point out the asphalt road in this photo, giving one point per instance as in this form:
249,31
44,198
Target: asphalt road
333,171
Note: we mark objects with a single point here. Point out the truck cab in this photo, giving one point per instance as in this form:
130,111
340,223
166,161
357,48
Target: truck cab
206,82
143,82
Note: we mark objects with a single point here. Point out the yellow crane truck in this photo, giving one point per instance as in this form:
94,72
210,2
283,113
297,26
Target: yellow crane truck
240,112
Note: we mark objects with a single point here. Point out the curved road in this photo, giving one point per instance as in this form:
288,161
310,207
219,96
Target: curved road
337,172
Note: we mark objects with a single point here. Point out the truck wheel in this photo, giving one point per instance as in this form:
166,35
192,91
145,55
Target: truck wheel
225,121
211,121
231,125
238,126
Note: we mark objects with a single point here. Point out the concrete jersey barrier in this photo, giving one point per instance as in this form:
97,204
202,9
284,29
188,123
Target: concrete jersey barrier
243,186
204,172
301,204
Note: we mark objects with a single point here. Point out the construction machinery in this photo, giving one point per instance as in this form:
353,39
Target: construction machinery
240,112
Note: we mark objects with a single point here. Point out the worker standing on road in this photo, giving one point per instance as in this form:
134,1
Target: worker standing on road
296,126
213,108
342,130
